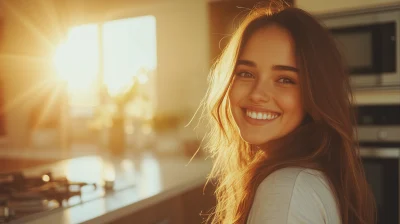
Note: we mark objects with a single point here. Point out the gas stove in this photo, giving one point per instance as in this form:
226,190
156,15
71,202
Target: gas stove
22,195
37,192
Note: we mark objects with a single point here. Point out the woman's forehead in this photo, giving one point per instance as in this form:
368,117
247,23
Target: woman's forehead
269,45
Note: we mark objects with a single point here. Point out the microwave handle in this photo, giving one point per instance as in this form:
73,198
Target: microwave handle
389,153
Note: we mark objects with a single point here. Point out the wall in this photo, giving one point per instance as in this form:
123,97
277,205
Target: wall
226,17
33,28
321,6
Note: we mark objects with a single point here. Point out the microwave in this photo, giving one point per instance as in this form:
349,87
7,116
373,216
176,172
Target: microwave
370,43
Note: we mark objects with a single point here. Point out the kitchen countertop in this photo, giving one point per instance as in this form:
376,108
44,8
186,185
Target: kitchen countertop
140,181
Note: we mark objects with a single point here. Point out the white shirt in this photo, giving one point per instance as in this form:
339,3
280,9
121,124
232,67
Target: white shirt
292,196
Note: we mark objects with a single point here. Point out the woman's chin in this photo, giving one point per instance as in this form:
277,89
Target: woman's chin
252,140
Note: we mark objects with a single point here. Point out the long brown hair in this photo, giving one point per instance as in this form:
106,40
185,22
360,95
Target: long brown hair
325,140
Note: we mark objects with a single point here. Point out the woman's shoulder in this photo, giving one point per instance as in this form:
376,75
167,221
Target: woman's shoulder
294,195
297,177
299,183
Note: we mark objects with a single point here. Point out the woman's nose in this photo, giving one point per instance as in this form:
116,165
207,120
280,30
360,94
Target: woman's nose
260,93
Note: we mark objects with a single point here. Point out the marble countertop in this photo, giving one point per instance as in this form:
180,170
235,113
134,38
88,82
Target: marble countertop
139,182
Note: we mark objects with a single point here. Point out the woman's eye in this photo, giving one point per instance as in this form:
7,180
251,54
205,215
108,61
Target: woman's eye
286,81
244,74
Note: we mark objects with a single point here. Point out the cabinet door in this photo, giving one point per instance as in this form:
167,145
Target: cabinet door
198,204
224,17
2,103
318,6
166,212
191,207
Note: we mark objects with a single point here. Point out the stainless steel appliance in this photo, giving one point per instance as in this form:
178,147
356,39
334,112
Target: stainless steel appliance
370,42
379,138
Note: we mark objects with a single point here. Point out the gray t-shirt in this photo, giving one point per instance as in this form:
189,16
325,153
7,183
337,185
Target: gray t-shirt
292,196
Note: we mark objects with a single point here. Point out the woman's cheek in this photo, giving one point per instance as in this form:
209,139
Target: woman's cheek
289,100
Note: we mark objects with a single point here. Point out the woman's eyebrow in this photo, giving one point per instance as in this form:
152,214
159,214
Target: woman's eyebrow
246,62
274,67
285,68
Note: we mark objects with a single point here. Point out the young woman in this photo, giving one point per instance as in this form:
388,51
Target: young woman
282,126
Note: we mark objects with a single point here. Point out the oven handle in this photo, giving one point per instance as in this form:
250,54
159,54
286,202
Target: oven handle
389,153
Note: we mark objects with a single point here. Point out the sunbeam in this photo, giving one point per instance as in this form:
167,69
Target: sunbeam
25,21
52,15
24,58
48,105
11,61
27,95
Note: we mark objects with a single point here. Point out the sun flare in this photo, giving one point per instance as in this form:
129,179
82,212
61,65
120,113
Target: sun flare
77,59
129,46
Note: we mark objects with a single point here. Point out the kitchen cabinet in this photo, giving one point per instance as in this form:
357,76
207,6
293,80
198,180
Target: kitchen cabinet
2,101
195,202
318,6
189,207
2,104
167,212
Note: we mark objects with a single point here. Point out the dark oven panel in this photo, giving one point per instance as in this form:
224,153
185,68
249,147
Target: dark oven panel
378,129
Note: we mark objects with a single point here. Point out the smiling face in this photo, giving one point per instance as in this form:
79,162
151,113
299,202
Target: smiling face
265,96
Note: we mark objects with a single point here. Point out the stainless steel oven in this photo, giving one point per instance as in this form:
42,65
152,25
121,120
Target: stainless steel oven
379,138
370,42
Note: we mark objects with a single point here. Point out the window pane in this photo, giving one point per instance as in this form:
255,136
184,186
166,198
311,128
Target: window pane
77,62
130,50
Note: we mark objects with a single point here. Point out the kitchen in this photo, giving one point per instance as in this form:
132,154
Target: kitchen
151,174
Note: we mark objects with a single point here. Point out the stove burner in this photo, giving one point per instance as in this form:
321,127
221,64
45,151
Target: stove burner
4,211
20,195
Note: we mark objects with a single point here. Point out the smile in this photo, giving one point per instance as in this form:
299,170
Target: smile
261,115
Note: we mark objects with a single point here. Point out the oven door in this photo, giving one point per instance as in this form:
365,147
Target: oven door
381,167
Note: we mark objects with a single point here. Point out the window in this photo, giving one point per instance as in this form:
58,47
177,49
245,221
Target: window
108,54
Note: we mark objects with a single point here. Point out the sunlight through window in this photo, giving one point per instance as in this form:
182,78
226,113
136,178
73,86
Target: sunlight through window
77,63
77,59
129,49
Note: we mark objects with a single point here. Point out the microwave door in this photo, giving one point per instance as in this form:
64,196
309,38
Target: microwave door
391,46
356,44
369,51
370,44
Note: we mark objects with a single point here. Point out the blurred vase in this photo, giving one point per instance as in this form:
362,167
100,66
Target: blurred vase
116,140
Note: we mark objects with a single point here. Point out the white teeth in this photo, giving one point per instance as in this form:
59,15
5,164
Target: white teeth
265,116
261,115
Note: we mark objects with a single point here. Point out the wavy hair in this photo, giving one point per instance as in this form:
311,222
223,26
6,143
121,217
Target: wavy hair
325,141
